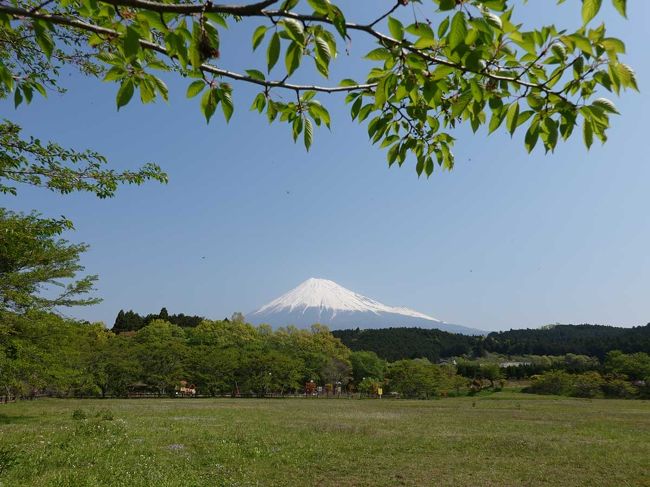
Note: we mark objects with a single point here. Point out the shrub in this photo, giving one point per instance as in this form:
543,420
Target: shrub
555,382
588,384
618,388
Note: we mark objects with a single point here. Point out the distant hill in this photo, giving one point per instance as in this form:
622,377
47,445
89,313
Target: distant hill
594,340
399,343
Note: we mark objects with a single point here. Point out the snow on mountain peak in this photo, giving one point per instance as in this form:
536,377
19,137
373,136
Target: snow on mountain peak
326,294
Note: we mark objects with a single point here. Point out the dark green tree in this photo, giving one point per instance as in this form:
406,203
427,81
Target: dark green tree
163,315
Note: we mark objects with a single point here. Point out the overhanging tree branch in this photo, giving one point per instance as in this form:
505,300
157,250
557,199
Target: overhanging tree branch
208,68
188,8
258,10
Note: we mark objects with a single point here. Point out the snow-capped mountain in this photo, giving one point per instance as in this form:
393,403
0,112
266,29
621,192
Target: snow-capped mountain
323,301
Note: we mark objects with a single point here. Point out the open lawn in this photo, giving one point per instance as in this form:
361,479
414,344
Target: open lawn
506,439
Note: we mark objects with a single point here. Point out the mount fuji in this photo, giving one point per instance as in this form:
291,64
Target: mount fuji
325,302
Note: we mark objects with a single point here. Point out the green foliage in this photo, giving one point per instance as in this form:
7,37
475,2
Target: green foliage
635,366
588,384
591,340
478,67
402,343
577,344
556,382
417,378
35,261
132,321
50,166
42,352
367,364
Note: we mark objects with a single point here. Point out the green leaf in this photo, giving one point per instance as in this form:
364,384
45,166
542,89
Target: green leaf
512,117
621,6
494,20
131,42
43,39
627,76
458,31
348,82
147,93
614,45
532,135
590,9
447,4
18,98
309,133
255,74
273,51
396,28
319,6
115,73
379,54
125,93
288,4
606,105
335,15
209,103
292,58
323,55
559,51
294,30
588,133
195,50
195,88
319,112
420,29
226,104
258,36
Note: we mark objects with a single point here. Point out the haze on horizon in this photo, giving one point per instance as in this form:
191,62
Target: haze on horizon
506,240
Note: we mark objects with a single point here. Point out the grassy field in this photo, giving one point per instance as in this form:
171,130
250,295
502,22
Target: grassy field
506,439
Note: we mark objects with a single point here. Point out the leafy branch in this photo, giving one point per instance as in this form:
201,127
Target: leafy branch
476,66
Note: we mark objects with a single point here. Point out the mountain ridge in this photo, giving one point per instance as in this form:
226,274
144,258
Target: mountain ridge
324,301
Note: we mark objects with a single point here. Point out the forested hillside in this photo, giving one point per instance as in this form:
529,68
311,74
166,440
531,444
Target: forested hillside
404,343
592,340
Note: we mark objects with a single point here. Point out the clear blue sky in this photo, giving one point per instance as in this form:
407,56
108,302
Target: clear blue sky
506,240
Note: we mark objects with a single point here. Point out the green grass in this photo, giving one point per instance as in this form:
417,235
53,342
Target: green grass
507,439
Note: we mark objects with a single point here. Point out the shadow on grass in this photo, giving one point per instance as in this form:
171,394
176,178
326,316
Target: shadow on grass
7,419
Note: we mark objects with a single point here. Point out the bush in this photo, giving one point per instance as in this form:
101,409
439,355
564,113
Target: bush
587,385
618,388
555,382
644,388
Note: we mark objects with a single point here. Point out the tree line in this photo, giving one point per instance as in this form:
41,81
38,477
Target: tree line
592,340
43,353
132,321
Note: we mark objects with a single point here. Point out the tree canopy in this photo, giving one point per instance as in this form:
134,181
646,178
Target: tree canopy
35,261
435,67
